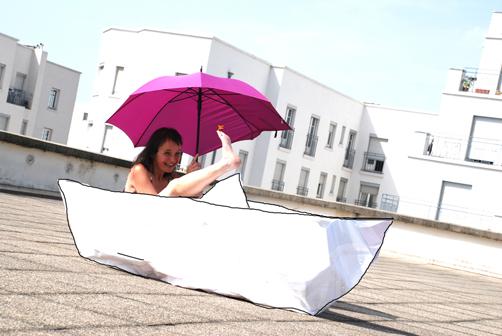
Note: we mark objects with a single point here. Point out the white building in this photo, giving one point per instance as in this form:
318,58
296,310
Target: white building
444,165
130,58
37,96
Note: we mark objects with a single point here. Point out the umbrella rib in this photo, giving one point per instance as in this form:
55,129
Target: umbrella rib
168,102
127,103
247,122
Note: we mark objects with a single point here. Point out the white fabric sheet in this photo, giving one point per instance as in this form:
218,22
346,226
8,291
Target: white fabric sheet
265,253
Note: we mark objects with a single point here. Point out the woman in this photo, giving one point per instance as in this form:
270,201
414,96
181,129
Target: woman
153,170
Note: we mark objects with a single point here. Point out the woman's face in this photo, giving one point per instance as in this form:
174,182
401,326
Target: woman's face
168,156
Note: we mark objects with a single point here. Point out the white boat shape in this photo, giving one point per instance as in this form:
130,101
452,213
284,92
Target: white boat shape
222,243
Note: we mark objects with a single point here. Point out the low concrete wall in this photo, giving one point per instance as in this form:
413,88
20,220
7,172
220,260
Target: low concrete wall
33,165
432,241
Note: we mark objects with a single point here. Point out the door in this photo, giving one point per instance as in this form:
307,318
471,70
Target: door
453,202
485,141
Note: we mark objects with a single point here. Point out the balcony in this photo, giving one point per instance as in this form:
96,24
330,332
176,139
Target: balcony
348,162
19,97
481,81
373,162
479,150
277,185
366,203
311,145
437,211
341,199
286,139
302,191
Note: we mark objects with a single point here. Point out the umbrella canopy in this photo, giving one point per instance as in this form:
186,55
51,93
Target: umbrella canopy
196,106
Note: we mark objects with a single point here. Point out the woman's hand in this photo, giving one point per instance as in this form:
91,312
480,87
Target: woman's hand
194,165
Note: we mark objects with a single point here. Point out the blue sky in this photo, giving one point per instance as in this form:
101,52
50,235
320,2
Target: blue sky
390,52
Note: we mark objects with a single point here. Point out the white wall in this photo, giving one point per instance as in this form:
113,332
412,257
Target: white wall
41,76
38,169
145,55
311,98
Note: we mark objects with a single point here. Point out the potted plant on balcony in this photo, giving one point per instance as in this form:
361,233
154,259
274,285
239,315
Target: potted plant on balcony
466,84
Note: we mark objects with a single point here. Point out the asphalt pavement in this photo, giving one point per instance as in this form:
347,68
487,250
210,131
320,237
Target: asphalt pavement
46,288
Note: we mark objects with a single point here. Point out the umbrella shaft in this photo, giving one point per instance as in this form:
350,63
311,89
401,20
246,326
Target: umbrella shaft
199,109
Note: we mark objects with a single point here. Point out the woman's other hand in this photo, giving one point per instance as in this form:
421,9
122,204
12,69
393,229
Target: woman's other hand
194,165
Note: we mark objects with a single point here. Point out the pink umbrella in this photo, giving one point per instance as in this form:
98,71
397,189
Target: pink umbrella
197,105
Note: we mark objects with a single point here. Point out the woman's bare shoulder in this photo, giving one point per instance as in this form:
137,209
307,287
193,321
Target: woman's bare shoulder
139,169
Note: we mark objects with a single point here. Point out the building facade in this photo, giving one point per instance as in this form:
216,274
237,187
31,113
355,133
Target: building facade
308,161
444,165
37,96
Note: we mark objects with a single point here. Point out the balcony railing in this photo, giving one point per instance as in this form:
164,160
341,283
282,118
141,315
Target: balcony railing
437,211
481,81
341,199
373,162
486,151
286,139
366,203
311,144
302,191
348,162
277,185
19,97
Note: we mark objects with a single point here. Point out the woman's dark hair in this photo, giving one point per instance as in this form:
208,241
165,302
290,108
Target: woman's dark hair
158,137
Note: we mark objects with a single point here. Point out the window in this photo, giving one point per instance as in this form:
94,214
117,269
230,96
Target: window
243,155
287,136
277,182
321,184
484,142
455,198
180,74
374,158
368,194
19,84
2,70
86,115
213,157
350,153
342,187
4,122
106,139
332,189
331,135
47,134
302,184
24,127
312,137
53,99
342,136
99,79
117,84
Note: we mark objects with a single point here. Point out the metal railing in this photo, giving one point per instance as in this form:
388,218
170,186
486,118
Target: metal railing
277,185
366,203
341,199
348,162
19,97
311,144
481,81
373,162
302,191
286,139
486,151
437,211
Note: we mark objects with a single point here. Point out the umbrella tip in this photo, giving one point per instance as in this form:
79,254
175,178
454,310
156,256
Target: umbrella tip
201,69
